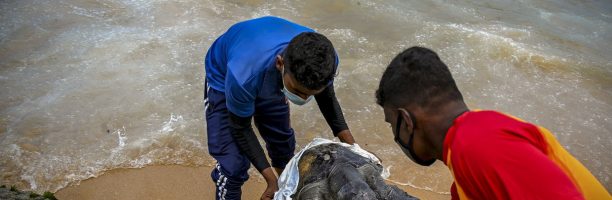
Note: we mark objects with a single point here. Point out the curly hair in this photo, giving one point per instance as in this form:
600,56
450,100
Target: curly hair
416,76
311,58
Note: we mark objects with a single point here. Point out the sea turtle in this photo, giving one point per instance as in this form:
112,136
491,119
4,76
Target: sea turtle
331,171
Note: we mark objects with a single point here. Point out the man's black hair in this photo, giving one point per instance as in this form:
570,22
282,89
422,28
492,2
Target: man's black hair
311,58
418,77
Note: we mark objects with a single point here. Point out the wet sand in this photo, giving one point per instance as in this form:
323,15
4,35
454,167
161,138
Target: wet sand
171,182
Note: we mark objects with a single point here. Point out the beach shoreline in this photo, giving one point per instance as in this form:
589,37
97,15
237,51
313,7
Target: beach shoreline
172,182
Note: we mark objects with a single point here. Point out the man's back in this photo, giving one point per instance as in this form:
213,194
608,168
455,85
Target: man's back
247,48
495,156
236,62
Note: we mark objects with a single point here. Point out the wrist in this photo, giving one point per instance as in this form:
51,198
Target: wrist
272,181
269,176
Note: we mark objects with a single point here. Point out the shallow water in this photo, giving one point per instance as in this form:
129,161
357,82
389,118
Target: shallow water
88,86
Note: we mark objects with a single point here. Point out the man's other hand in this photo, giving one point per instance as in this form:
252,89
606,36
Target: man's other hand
346,137
272,181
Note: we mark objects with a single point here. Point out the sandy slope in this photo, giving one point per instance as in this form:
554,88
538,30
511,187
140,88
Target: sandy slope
170,182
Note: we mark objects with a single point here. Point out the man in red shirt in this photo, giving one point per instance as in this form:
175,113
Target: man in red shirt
490,154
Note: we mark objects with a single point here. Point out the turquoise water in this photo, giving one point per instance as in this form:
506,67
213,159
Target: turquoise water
89,86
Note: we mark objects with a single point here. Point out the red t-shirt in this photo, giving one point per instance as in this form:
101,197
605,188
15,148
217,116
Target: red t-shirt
496,156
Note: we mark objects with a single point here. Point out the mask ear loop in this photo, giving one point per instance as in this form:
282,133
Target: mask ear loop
398,126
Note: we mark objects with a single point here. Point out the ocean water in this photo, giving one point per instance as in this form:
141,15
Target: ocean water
88,86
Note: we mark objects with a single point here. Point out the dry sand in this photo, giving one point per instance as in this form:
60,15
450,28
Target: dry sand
171,182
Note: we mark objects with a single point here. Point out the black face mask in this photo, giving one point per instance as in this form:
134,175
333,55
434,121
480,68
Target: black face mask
407,149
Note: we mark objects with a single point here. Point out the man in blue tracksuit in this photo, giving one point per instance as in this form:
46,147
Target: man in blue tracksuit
251,72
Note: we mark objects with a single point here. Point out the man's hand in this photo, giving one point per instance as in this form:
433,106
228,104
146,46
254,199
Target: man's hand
346,137
269,193
272,181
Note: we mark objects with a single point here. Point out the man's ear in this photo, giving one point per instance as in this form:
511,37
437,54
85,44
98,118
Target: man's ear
279,63
407,118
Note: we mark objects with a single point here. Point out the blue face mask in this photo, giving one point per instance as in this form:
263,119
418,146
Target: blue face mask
297,100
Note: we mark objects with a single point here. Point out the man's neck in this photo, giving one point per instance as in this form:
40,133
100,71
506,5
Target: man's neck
441,121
